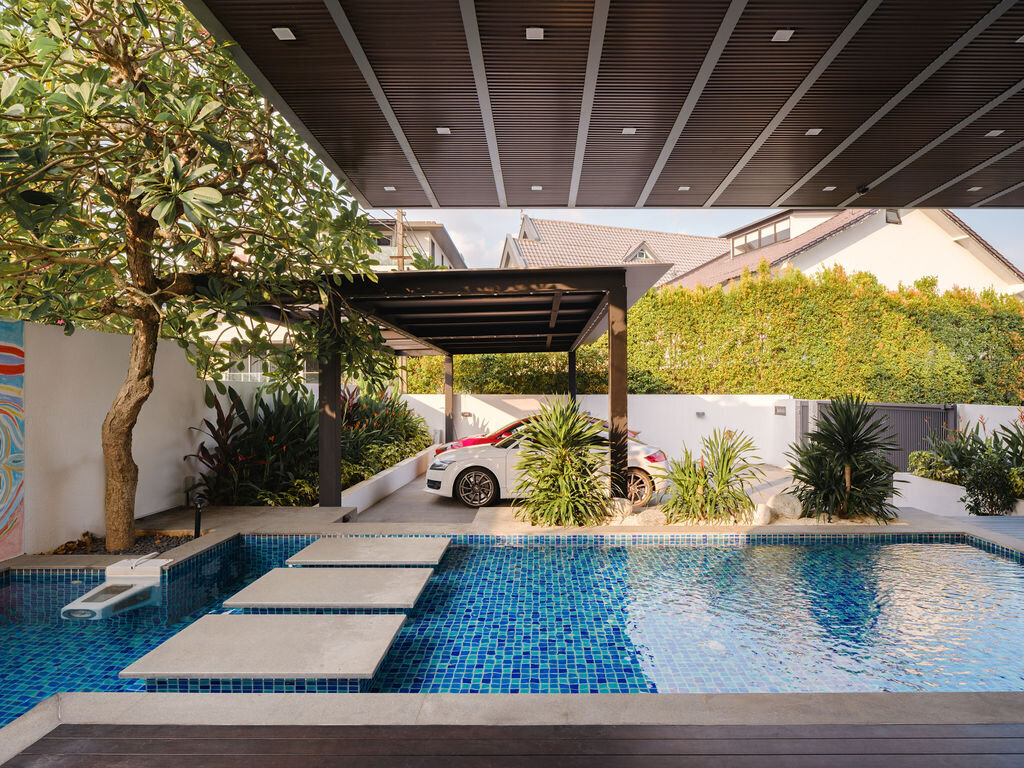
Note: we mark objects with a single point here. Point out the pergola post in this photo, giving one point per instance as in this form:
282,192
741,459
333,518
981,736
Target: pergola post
402,367
572,374
618,417
449,398
330,429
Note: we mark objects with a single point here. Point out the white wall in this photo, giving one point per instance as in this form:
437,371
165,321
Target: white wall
666,421
70,382
904,253
994,416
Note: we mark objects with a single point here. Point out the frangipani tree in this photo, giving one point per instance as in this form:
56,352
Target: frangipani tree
147,186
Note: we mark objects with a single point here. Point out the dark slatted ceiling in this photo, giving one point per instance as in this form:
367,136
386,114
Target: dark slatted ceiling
652,51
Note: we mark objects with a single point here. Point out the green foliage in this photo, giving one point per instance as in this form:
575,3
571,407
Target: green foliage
713,488
933,467
841,470
951,455
989,488
563,459
421,262
806,336
144,178
268,455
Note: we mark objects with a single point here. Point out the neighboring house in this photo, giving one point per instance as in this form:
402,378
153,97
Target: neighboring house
427,238
547,243
897,247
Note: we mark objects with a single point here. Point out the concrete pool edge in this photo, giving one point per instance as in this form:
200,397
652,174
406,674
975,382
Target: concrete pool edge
943,708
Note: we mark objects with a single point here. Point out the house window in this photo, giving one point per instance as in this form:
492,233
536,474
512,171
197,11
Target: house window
759,238
642,254
384,240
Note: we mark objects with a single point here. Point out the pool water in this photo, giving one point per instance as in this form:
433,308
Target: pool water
604,618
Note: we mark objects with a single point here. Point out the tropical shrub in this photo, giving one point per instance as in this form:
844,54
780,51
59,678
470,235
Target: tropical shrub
269,455
713,488
989,488
808,336
841,470
563,460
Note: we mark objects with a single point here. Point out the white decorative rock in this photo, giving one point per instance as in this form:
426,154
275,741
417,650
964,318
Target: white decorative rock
786,506
620,508
762,515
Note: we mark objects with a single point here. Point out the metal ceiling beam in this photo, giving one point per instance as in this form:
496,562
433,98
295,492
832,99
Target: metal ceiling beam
809,80
555,301
940,61
966,174
597,30
359,55
215,28
714,53
1011,91
518,283
997,195
483,94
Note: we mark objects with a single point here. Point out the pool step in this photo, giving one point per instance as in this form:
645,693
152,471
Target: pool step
334,588
274,646
405,551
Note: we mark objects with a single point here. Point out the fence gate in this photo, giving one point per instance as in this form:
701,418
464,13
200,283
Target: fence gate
911,424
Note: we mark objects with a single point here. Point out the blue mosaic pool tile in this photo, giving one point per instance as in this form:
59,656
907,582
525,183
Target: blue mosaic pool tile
196,581
276,685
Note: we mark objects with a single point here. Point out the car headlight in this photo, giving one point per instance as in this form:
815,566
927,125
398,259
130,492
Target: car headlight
441,464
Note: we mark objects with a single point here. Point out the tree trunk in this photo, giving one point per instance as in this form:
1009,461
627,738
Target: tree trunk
848,477
122,473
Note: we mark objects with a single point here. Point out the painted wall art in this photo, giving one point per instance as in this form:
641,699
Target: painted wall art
12,437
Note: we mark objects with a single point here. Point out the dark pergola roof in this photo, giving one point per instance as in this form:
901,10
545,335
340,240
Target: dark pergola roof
462,312
733,103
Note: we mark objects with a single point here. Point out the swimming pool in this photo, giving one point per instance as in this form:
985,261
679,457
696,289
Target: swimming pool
896,613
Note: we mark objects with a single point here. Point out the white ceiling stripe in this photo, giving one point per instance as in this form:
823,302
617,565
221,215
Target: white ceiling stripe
990,198
829,56
729,21
597,29
359,55
905,91
941,138
966,174
483,94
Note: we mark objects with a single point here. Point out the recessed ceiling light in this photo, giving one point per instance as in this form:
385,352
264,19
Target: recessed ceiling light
974,189
828,189
283,33
684,189
536,187
389,189
443,130
812,132
782,35
535,33
628,131
993,134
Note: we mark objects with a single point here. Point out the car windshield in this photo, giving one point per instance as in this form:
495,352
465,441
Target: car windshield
507,428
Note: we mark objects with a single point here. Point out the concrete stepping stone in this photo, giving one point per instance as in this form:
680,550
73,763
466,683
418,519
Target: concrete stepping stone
368,550
341,588
253,646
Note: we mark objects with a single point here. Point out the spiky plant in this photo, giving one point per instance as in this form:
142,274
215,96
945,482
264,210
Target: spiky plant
563,474
713,488
841,469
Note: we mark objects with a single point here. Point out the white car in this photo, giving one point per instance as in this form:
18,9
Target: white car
479,475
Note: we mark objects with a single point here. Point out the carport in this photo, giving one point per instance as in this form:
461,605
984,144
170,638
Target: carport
494,311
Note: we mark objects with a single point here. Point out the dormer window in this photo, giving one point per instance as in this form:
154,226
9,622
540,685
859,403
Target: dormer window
758,238
642,252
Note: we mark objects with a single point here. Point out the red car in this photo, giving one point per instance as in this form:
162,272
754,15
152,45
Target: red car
496,437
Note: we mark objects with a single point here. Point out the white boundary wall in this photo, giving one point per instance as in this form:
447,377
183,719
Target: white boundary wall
666,421
994,415
70,382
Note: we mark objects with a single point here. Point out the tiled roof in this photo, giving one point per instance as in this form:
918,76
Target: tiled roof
723,268
983,243
571,244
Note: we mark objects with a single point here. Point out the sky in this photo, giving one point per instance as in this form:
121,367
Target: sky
480,233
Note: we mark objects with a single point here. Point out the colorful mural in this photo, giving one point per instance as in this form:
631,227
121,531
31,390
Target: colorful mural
12,437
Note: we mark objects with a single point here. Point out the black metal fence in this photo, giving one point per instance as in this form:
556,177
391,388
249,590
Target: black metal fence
911,424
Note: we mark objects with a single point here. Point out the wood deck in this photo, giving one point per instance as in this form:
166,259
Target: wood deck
425,746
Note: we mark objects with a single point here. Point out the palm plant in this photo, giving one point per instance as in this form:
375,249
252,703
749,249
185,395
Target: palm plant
563,475
713,488
841,470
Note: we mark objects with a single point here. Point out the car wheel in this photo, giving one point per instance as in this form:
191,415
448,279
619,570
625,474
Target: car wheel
476,487
639,487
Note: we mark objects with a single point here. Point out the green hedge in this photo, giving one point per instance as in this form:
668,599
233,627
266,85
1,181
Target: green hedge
809,337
